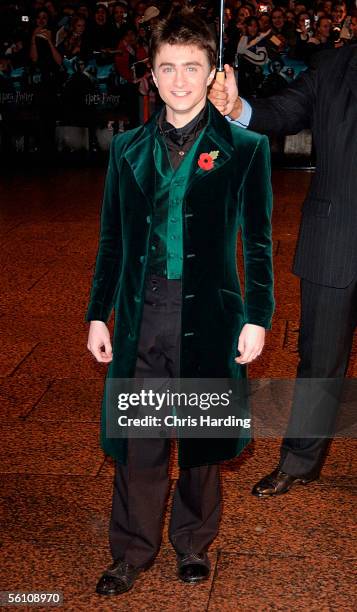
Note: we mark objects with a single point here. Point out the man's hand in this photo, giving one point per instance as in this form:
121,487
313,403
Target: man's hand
99,337
250,343
225,95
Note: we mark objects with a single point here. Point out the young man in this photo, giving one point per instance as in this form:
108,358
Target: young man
178,190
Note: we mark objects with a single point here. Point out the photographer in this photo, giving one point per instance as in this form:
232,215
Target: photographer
322,37
339,15
74,44
119,21
42,50
303,34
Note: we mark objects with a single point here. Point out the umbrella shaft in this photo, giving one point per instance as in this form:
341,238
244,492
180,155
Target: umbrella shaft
221,31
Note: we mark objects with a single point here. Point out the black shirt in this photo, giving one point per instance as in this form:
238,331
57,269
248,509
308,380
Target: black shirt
180,140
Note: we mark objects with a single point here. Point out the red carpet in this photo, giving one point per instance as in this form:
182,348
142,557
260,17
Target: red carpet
294,553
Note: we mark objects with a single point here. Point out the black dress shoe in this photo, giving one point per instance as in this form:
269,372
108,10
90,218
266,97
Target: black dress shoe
193,567
118,578
278,482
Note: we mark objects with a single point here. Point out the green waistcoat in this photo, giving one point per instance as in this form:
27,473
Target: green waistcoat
166,245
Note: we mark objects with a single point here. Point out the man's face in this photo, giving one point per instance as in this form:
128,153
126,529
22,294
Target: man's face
42,19
338,14
140,8
50,7
252,29
119,13
83,11
324,27
299,8
182,73
243,14
278,19
264,22
290,16
100,16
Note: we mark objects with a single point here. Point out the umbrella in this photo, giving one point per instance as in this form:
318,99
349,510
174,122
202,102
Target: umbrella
220,76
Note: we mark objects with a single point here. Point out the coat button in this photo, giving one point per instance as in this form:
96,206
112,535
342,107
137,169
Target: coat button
137,298
142,258
148,219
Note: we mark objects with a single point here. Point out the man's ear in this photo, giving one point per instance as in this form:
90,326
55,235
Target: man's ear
154,78
211,76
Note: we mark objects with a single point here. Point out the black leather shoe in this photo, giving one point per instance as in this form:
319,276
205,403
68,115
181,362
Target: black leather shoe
278,482
193,567
118,578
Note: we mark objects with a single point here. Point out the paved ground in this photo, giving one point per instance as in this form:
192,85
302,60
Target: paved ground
296,553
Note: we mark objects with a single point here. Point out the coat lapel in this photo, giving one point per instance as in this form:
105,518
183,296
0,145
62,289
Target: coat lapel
140,157
216,137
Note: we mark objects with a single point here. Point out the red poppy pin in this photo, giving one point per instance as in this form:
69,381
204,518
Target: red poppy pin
206,160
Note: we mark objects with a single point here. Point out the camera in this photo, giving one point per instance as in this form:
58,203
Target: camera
335,34
307,23
25,18
263,8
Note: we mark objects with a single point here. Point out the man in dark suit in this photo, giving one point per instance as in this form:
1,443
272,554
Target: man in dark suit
324,98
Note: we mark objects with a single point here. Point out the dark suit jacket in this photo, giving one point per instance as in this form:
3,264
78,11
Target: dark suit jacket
324,98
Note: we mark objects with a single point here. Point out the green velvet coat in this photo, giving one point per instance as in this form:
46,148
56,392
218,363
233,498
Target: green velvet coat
235,195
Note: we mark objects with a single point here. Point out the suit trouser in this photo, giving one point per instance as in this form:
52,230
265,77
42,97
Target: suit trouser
328,320
141,486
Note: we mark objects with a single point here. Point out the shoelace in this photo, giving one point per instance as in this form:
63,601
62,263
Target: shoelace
192,557
118,567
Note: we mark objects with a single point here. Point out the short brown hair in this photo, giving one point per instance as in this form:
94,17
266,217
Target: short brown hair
183,27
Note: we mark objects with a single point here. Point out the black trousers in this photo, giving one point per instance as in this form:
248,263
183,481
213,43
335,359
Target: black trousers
328,321
141,486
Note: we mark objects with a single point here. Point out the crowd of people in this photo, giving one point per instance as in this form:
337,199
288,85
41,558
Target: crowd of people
67,54
271,44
